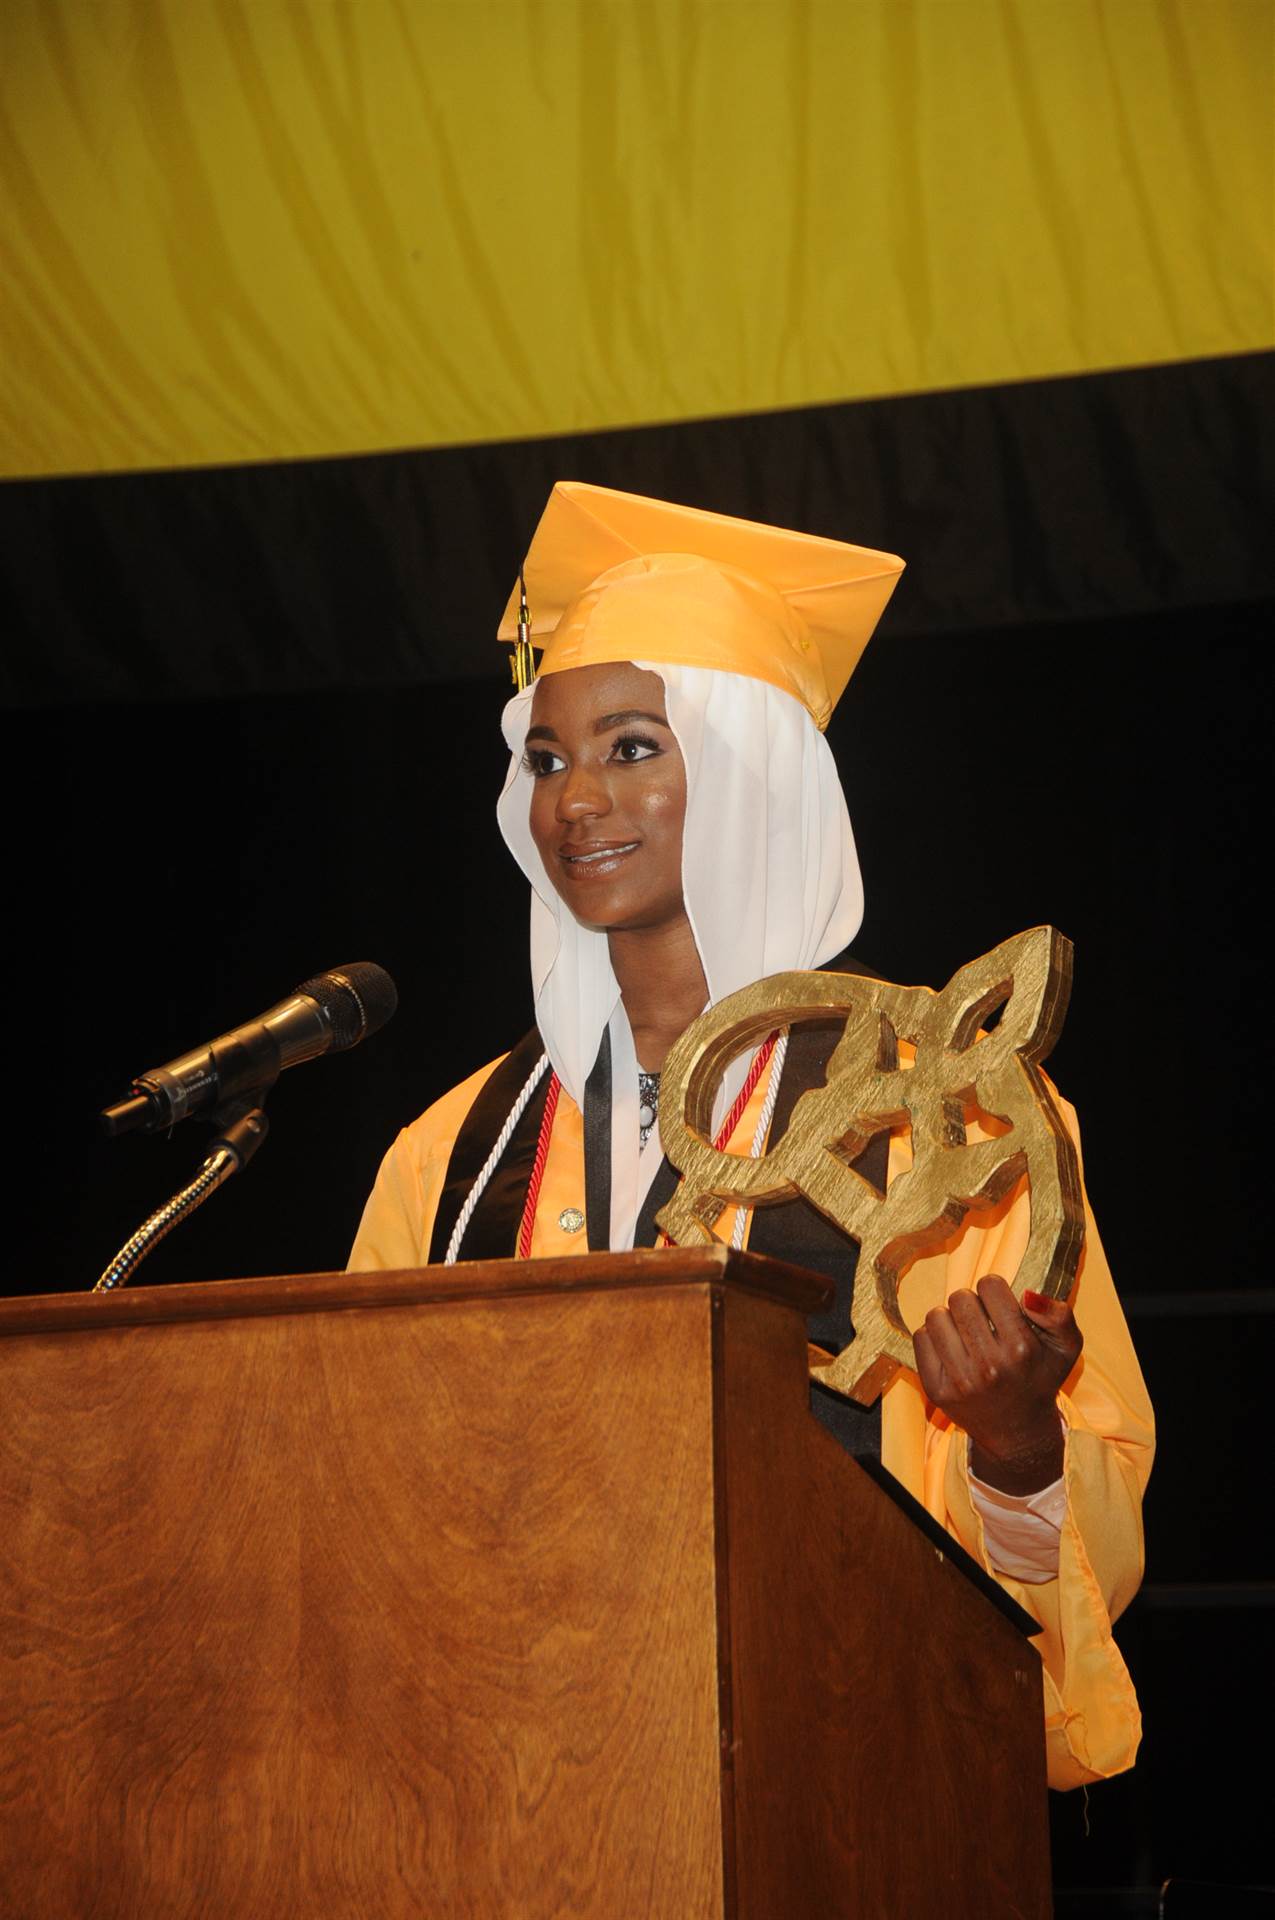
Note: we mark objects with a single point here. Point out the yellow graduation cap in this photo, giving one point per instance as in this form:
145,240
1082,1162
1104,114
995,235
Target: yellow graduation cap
615,576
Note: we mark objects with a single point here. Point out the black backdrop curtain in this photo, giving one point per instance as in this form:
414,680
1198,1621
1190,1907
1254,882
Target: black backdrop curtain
1100,495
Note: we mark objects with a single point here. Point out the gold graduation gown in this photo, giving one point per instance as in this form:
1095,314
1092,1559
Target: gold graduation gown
1092,1723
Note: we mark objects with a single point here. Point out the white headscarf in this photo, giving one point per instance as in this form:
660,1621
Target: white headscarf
770,877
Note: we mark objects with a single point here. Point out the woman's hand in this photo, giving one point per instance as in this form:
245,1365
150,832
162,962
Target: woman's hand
995,1367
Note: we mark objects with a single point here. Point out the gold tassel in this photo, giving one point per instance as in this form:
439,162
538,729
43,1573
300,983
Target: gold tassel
522,663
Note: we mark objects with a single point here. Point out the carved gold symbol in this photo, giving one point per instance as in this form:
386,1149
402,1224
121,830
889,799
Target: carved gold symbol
961,1069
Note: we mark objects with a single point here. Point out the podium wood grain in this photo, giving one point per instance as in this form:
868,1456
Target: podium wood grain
217,1602
504,1592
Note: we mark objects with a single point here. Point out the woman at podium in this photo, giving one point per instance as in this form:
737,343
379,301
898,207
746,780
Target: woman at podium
676,809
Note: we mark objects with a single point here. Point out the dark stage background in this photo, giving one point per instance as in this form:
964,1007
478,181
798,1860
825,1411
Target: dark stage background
177,863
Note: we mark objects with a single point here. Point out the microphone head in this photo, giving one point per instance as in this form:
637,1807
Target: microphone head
357,1000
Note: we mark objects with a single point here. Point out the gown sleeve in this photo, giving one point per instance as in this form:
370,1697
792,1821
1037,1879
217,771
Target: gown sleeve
398,1220
1092,1722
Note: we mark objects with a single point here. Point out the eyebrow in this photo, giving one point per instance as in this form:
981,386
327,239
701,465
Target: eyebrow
610,720
604,724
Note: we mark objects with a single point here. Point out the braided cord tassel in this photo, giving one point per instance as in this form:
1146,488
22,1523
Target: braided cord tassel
492,1161
777,1044
763,1128
527,1227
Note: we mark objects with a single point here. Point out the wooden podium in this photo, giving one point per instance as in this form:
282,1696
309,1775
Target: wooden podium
506,1590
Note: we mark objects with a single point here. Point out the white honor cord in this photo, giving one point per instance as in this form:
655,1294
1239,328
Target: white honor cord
492,1161
763,1128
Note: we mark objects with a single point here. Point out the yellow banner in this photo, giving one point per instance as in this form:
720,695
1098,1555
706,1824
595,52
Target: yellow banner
248,230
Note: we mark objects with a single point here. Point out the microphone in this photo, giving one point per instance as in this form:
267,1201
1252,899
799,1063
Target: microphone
327,1014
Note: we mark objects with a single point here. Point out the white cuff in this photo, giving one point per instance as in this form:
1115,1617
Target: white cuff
1022,1531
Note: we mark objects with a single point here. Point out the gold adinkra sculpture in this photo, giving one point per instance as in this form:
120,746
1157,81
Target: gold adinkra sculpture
940,1065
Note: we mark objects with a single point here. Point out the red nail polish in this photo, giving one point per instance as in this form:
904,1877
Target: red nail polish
1034,1300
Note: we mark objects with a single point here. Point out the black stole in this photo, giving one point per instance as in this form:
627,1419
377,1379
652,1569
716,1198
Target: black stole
492,1233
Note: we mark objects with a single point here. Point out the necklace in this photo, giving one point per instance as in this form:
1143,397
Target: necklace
648,1105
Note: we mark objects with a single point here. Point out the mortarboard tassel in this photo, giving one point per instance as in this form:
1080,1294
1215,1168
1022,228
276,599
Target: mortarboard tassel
522,663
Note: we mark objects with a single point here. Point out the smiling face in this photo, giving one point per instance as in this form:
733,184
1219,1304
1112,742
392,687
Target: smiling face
609,796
